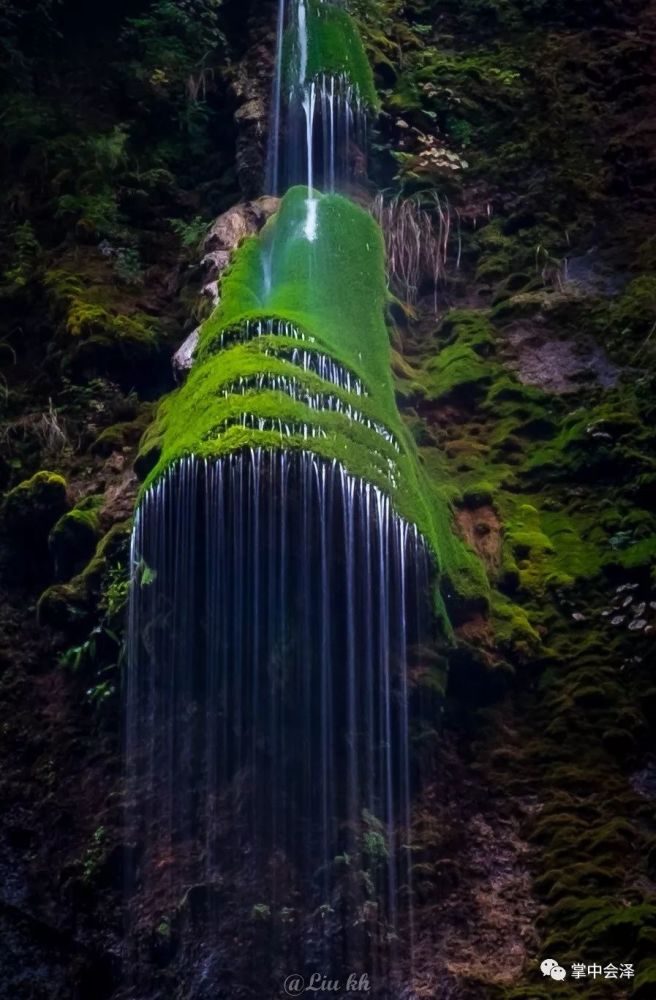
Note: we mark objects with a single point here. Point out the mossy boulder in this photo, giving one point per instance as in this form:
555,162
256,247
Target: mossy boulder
71,605
101,335
463,367
72,541
32,508
125,434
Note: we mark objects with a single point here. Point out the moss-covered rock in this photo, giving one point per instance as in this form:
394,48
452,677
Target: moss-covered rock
461,368
125,434
71,606
32,508
72,541
101,333
328,44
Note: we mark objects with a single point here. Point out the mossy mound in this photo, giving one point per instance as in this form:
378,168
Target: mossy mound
332,47
99,332
73,539
462,367
34,506
297,292
71,606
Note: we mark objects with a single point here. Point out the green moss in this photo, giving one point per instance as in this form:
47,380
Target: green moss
462,367
456,369
100,332
70,605
550,548
639,554
86,316
334,49
631,317
72,541
307,269
32,508
512,627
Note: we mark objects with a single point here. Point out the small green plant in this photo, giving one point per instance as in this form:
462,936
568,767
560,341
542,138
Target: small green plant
26,253
101,692
163,929
145,574
76,657
190,234
374,844
127,264
94,854
116,593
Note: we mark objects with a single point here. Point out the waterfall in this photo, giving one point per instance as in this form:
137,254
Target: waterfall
318,126
276,589
326,135
273,156
273,599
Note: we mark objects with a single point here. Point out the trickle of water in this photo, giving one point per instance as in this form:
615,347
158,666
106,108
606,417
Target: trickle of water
273,155
301,17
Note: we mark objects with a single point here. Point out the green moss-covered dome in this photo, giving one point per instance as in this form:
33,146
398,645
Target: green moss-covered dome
296,355
328,45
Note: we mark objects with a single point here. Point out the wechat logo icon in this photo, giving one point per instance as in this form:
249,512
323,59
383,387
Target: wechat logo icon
551,968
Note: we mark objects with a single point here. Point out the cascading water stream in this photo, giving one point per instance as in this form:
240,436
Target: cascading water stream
318,130
273,600
277,591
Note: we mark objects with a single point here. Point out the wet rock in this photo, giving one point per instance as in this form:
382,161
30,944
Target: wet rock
251,87
618,620
73,539
555,364
29,513
183,358
644,781
638,625
33,507
588,274
225,235
482,529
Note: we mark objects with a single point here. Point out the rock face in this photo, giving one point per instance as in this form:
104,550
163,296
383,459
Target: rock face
235,225
225,235
542,357
29,513
251,86
183,358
